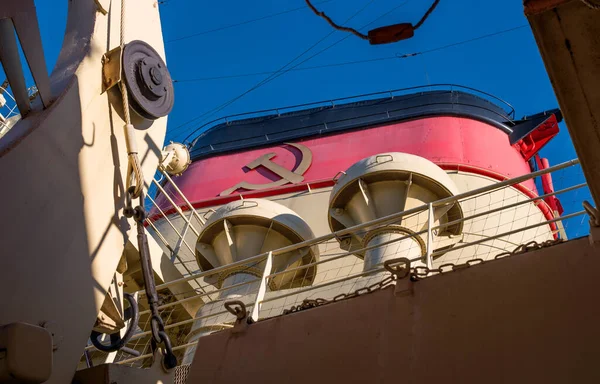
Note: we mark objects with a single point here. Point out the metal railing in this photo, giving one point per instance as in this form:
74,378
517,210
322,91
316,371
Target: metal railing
8,110
509,110
341,271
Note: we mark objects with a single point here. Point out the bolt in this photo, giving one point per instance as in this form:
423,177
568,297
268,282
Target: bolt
159,66
156,76
339,211
121,284
101,317
150,86
165,89
144,62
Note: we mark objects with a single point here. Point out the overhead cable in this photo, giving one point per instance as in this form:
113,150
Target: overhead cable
269,16
280,73
382,35
354,62
269,78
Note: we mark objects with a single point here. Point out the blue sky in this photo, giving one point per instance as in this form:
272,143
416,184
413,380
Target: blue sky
507,65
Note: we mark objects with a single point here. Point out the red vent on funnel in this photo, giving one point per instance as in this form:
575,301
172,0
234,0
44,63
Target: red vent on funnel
538,138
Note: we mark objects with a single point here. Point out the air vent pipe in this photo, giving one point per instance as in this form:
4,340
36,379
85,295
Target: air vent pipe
386,184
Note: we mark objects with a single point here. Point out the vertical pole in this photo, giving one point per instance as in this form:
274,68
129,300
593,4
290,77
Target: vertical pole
260,295
181,238
190,206
561,227
428,259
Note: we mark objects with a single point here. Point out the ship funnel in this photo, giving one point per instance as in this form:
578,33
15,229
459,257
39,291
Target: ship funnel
390,183
243,229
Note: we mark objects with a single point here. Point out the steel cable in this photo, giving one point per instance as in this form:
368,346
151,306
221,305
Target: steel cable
134,169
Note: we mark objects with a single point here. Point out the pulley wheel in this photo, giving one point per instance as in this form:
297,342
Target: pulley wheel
148,81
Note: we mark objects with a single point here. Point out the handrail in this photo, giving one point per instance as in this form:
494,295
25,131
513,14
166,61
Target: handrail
330,260
301,291
510,111
380,221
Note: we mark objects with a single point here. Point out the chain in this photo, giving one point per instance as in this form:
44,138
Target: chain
531,246
312,303
421,272
400,269
159,334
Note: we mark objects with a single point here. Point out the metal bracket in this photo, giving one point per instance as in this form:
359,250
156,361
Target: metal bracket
238,309
210,210
112,68
338,176
404,287
594,215
387,158
399,267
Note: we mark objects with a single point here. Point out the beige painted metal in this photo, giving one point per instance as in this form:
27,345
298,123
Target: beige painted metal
62,171
26,353
567,33
388,183
245,228
502,321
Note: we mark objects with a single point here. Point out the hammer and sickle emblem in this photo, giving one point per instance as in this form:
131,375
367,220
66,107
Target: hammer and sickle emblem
294,176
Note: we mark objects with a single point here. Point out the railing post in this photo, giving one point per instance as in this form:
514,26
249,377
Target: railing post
190,206
428,259
260,295
181,239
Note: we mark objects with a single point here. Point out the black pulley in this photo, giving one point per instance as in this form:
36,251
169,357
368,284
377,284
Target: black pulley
148,81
